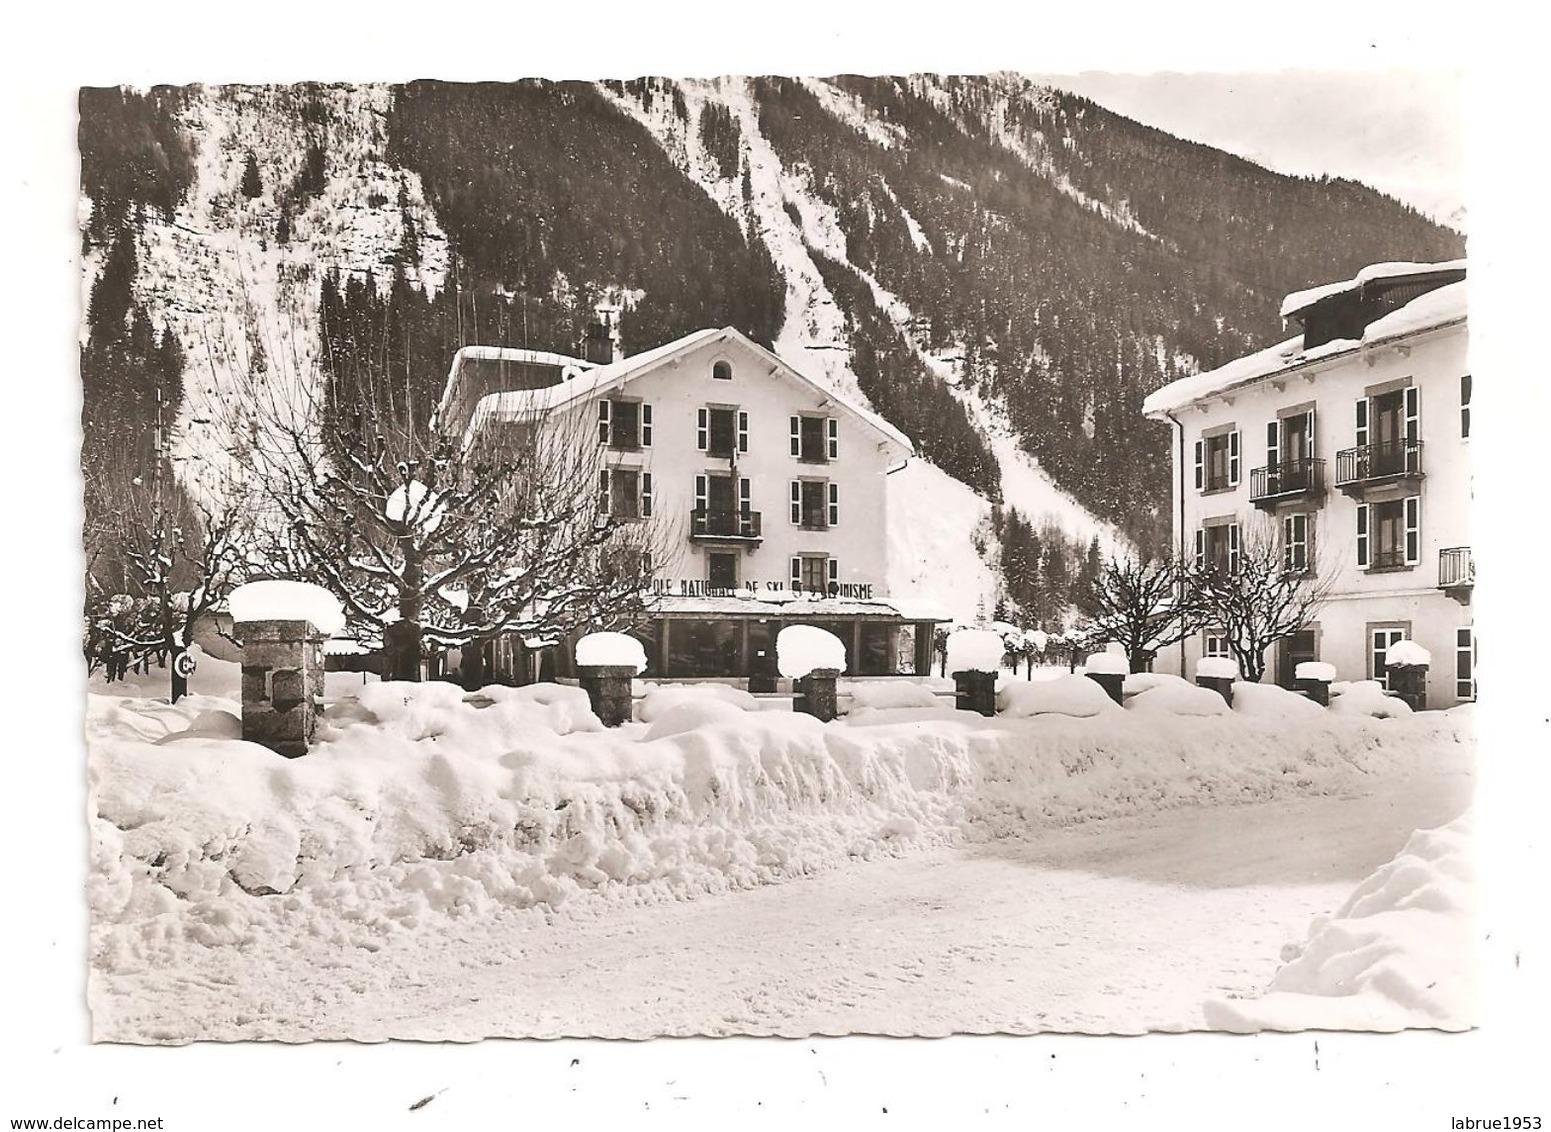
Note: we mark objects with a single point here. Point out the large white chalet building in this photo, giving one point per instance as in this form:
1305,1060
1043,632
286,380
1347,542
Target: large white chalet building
1350,444
769,487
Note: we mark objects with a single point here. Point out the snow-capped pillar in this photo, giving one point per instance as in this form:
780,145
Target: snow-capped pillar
815,695
1109,670
606,663
282,683
975,659
1217,673
975,691
282,626
1407,663
1313,678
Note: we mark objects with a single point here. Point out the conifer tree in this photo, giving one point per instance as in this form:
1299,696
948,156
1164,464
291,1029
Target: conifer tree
252,186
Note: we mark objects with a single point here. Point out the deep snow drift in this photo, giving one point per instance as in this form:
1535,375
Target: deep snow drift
422,801
1400,953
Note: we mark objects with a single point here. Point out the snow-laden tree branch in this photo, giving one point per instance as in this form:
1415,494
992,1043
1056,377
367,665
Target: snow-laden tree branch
1141,605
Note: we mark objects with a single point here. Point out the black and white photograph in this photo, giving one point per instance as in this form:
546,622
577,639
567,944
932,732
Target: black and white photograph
818,553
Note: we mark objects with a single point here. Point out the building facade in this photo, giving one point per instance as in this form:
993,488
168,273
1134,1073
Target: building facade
765,490
1349,445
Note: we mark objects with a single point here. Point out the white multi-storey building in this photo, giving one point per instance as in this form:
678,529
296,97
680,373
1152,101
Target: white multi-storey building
769,487
1350,444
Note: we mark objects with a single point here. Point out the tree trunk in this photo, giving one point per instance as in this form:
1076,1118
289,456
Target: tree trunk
402,640
1138,659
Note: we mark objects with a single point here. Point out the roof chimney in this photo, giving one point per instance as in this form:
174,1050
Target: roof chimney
601,343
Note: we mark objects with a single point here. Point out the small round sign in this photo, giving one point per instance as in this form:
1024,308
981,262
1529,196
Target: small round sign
184,665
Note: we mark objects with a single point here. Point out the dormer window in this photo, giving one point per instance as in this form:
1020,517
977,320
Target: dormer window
722,371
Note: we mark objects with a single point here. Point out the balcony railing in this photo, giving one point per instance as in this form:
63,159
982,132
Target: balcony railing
1290,479
1372,463
1456,568
725,525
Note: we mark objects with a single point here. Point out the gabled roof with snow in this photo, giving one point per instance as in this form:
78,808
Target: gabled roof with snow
1441,307
530,404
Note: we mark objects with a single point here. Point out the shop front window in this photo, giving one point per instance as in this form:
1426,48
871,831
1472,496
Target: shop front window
705,648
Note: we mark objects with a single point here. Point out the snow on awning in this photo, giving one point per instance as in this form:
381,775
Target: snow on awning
786,605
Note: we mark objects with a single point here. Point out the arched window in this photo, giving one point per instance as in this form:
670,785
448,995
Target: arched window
722,371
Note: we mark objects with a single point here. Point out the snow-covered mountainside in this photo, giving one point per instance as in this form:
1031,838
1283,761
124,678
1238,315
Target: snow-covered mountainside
1000,269
244,303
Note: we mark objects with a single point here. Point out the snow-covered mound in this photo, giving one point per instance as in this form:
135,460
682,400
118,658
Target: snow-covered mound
1108,664
1270,701
1366,697
423,800
658,698
1177,699
619,650
1217,668
884,694
1398,954
287,601
1063,695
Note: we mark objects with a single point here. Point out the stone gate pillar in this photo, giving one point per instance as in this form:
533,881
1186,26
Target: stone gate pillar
282,683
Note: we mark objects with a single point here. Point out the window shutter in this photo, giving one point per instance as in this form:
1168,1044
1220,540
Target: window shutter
744,497
1413,408
834,571
646,426
700,493
1362,535
1362,422
796,574
832,428
1273,444
1289,537
1308,433
702,428
1464,407
743,432
1233,458
603,421
1413,507
1200,547
834,504
1200,464
796,503
796,423
1233,548
646,495
603,490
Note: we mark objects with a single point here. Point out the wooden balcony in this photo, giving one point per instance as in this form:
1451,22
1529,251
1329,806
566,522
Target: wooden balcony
1374,465
1456,572
1291,481
725,526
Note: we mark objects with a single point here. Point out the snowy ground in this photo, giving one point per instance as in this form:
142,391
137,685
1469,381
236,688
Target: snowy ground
451,867
1124,925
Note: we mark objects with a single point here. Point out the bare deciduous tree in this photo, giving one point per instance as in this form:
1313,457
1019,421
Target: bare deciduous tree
1142,605
1265,594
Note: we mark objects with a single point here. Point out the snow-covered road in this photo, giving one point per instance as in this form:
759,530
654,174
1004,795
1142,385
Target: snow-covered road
1122,925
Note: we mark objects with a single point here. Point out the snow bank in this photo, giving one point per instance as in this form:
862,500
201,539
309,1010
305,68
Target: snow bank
1400,953
660,697
1406,653
613,649
1269,701
975,650
885,694
1315,670
1366,697
1178,699
1217,668
420,800
417,505
800,649
1108,664
287,601
1065,695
